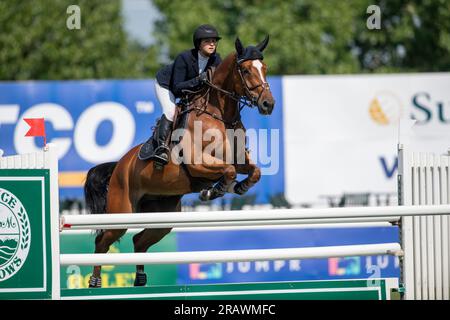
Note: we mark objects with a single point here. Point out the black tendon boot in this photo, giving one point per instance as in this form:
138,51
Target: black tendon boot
95,282
141,279
161,137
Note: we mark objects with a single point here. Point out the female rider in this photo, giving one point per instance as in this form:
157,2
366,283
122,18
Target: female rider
187,72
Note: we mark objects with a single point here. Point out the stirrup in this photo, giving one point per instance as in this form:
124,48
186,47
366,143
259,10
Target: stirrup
161,154
163,148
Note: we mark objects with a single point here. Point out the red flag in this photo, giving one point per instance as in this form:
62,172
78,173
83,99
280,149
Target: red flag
37,128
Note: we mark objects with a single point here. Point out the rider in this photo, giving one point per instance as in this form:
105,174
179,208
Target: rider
187,72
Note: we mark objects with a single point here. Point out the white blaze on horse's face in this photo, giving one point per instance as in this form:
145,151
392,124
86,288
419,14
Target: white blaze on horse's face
258,65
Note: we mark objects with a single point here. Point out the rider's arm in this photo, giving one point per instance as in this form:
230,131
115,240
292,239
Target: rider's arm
179,77
218,60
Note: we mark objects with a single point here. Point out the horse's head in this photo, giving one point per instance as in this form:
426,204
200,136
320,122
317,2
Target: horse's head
251,76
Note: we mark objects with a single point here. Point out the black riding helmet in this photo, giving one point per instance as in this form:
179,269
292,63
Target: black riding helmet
203,32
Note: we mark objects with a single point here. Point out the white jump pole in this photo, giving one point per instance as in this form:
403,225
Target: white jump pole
229,255
221,218
245,223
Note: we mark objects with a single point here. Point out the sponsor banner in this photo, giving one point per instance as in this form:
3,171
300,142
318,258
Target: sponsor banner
341,132
287,270
25,264
98,121
74,277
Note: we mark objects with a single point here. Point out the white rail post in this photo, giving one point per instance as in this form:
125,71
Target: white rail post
51,163
425,269
405,197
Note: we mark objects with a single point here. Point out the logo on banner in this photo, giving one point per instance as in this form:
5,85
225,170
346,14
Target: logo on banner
385,108
344,266
198,271
15,235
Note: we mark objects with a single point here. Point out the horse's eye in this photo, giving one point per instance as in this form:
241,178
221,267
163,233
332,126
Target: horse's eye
245,71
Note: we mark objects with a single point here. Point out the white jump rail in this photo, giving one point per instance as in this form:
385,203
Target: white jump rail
230,255
257,217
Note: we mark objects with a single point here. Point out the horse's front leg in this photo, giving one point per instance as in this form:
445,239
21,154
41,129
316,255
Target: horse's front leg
217,168
253,175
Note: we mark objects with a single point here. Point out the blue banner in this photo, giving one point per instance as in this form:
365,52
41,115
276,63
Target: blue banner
100,120
287,270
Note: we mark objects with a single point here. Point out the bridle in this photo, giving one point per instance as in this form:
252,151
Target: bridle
248,99
248,90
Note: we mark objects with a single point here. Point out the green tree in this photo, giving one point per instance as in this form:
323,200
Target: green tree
319,36
414,36
35,42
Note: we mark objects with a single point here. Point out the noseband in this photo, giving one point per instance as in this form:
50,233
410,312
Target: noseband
248,90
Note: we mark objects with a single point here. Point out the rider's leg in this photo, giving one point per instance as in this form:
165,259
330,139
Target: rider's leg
167,101
162,133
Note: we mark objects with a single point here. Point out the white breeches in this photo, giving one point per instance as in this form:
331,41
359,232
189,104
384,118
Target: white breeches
167,101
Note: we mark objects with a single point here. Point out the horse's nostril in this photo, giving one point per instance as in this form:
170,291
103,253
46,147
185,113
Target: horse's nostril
267,104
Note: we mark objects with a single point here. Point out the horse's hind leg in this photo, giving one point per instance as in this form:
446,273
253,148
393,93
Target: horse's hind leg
148,237
102,243
118,202
142,241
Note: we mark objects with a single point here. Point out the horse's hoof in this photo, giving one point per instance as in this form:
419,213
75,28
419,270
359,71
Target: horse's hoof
215,193
205,195
141,279
240,188
95,282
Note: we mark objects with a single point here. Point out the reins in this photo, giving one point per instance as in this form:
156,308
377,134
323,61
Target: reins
243,101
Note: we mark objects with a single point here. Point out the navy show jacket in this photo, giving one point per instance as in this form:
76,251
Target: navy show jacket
182,73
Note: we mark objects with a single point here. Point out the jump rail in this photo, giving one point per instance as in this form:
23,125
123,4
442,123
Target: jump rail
257,217
230,255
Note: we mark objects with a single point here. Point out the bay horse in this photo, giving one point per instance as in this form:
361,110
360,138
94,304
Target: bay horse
132,185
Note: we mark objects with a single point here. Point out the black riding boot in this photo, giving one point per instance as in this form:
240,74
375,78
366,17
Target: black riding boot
161,135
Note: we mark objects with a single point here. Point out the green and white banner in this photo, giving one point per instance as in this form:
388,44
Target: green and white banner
25,262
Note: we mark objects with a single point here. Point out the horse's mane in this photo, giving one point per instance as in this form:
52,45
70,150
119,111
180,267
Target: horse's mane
222,70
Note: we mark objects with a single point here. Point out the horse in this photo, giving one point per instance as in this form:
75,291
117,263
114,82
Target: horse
132,185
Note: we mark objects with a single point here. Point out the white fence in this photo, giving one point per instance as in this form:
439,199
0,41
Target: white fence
424,195
424,179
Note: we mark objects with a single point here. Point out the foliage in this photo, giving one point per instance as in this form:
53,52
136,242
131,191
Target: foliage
35,42
306,36
320,36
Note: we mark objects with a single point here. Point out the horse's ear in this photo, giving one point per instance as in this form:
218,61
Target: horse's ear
239,46
263,44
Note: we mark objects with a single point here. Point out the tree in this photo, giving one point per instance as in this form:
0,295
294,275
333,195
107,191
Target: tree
306,36
319,36
414,36
35,42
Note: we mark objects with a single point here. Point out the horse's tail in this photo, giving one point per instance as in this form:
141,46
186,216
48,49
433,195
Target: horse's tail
96,187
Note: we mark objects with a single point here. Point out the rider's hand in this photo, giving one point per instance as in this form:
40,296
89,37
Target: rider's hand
202,77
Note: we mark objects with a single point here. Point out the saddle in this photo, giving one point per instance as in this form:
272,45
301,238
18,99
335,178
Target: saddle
147,149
